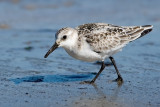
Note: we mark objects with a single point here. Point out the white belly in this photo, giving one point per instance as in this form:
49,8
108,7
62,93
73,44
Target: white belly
84,55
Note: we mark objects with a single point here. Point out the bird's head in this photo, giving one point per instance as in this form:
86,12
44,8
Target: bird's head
65,38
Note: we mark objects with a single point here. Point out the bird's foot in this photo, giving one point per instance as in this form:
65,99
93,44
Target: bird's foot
87,82
119,81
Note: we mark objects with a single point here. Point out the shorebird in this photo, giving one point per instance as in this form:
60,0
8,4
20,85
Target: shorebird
97,41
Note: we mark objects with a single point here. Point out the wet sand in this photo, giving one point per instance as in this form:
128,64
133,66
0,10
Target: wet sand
27,31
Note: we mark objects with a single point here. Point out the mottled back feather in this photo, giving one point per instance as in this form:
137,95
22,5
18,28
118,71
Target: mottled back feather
103,37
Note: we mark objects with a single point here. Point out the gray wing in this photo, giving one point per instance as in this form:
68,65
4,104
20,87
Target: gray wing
102,37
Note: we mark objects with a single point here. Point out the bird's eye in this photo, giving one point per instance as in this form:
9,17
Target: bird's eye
64,37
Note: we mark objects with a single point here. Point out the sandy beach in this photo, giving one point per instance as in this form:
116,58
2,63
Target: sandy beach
27,30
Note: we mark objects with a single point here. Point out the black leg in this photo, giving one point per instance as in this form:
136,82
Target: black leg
101,69
119,75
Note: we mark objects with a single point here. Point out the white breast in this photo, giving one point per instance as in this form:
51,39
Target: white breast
84,53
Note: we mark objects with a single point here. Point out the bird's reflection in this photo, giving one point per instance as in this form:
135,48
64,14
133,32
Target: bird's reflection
102,100
114,96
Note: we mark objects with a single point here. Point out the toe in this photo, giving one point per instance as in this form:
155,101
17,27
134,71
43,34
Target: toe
87,82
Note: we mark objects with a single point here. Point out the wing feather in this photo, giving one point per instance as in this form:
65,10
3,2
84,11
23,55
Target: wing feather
105,37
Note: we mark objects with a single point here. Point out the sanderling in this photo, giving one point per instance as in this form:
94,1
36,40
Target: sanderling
97,41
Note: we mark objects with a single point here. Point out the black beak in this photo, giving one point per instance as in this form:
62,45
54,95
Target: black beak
55,46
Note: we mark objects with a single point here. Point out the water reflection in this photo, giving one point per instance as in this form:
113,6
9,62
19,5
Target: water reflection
54,78
115,92
102,100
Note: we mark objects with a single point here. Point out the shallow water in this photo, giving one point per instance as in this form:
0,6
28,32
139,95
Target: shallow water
27,31
54,78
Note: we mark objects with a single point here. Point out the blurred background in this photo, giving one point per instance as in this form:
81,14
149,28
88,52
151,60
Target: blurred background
54,14
27,29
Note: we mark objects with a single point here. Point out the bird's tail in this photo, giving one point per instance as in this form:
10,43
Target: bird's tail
140,31
147,29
